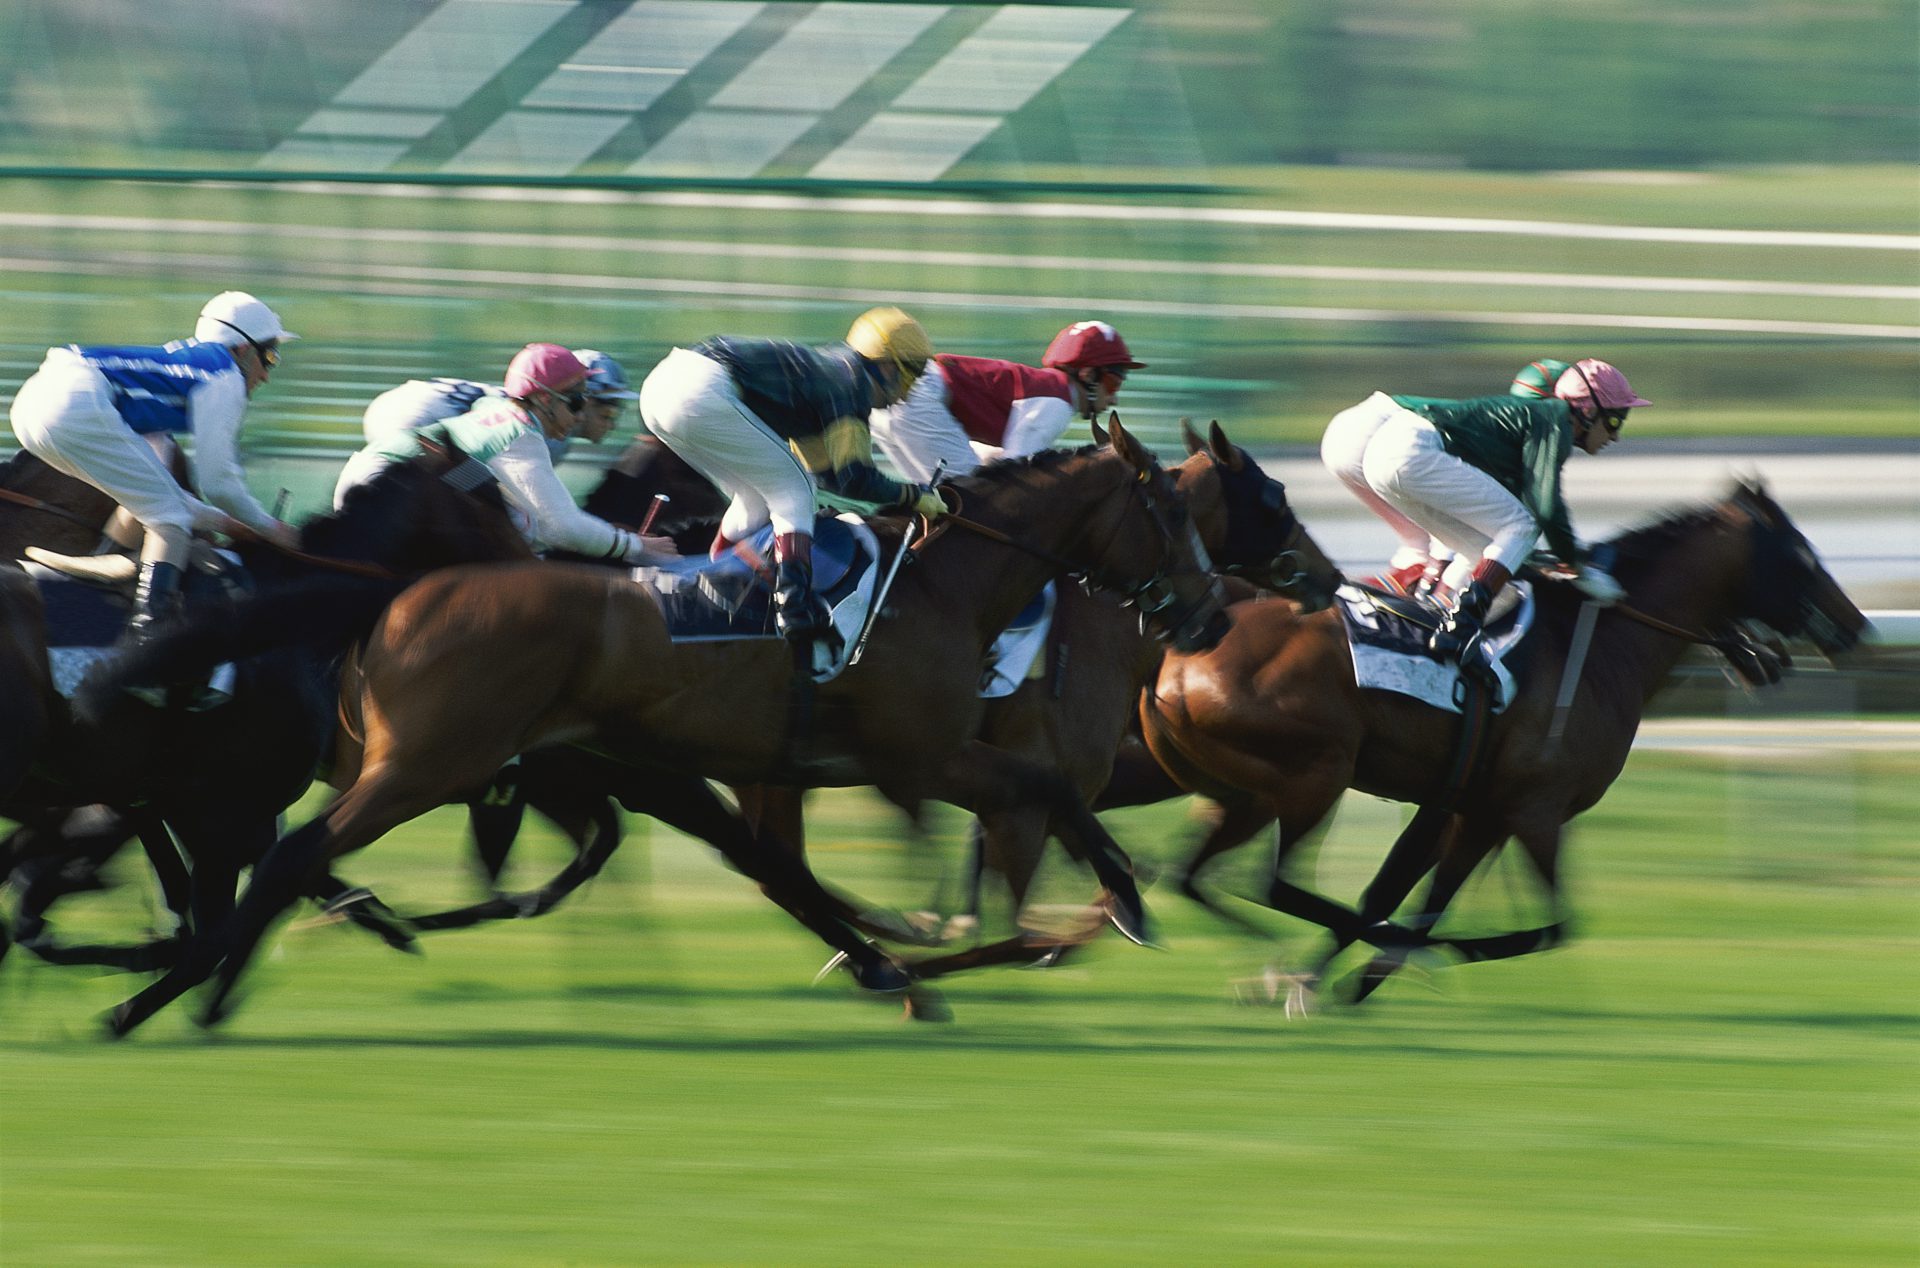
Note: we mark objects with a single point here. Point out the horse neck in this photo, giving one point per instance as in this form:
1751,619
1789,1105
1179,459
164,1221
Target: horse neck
1694,586
992,580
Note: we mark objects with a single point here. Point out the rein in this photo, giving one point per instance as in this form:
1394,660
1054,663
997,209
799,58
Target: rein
1720,642
32,503
318,561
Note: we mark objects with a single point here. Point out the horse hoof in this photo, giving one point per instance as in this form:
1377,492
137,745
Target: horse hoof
882,977
1129,919
119,1022
827,969
925,1004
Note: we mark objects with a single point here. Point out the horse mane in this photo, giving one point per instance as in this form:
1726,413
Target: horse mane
1653,538
985,478
1650,539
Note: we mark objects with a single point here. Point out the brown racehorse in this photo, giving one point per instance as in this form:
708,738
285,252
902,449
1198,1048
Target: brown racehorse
1270,722
1074,717
1069,720
40,506
470,667
219,778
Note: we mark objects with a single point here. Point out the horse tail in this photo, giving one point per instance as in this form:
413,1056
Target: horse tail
324,614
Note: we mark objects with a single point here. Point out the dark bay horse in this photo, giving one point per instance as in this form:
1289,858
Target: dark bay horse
1069,721
1073,718
1271,724
218,779
470,667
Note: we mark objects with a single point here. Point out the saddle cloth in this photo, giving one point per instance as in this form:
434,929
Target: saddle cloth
85,622
1016,652
1390,648
731,598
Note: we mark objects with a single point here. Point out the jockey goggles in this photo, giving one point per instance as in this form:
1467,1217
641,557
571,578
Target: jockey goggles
269,355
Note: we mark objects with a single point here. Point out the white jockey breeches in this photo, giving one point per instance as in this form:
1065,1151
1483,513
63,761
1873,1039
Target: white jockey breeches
692,405
1394,461
64,416
406,408
360,468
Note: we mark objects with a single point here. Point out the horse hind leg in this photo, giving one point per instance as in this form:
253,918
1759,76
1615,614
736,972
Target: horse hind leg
1235,822
690,806
378,802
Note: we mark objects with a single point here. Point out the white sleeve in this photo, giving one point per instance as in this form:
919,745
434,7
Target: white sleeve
1033,424
921,435
530,484
216,409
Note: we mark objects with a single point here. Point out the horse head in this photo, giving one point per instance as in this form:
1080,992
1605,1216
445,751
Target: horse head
1247,523
1180,600
431,511
1789,590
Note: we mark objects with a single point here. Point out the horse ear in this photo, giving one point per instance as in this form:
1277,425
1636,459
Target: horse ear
1125,445
1191,438
1099,433
1225,452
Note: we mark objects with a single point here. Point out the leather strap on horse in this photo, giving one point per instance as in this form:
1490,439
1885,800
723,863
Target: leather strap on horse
1473,692
350,567
36,504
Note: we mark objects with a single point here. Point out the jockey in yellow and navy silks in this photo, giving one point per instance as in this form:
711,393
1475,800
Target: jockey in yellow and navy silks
544,394
105,414
768,422
1481,476
966,411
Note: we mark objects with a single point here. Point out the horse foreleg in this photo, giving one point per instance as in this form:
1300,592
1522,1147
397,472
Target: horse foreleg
493,824
689,805
378,802
593,824
986,780
1416,851
1542,845
1234,824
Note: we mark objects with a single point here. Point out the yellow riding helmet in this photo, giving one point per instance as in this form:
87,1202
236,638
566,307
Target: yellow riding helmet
887,334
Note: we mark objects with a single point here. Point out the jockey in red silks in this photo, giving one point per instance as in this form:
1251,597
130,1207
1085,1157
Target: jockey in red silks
1481,477
966,411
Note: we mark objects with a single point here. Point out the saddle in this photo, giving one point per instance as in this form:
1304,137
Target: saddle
731,598
88,600
1387,635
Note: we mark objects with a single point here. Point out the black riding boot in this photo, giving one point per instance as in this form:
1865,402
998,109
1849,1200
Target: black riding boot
1460,627
799,614
156,599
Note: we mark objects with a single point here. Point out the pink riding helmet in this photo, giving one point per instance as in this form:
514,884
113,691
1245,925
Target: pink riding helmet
545,366
1595,379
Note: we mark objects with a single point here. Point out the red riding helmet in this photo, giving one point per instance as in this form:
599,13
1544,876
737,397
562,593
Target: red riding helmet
1089,345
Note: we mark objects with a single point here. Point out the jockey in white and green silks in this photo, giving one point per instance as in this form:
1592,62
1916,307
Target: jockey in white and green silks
543,398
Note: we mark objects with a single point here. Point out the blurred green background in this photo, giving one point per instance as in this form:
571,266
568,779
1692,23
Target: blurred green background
1283,206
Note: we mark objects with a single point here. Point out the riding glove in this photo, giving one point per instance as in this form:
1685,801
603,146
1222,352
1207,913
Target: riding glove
930,504
1599,586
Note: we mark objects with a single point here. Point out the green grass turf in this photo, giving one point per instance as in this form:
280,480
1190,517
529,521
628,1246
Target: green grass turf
1721,1070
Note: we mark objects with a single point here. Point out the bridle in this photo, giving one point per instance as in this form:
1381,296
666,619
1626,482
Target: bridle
1286,569
1154,597
1772,555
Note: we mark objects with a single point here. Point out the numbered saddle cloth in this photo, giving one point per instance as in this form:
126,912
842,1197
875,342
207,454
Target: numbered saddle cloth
1388,640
